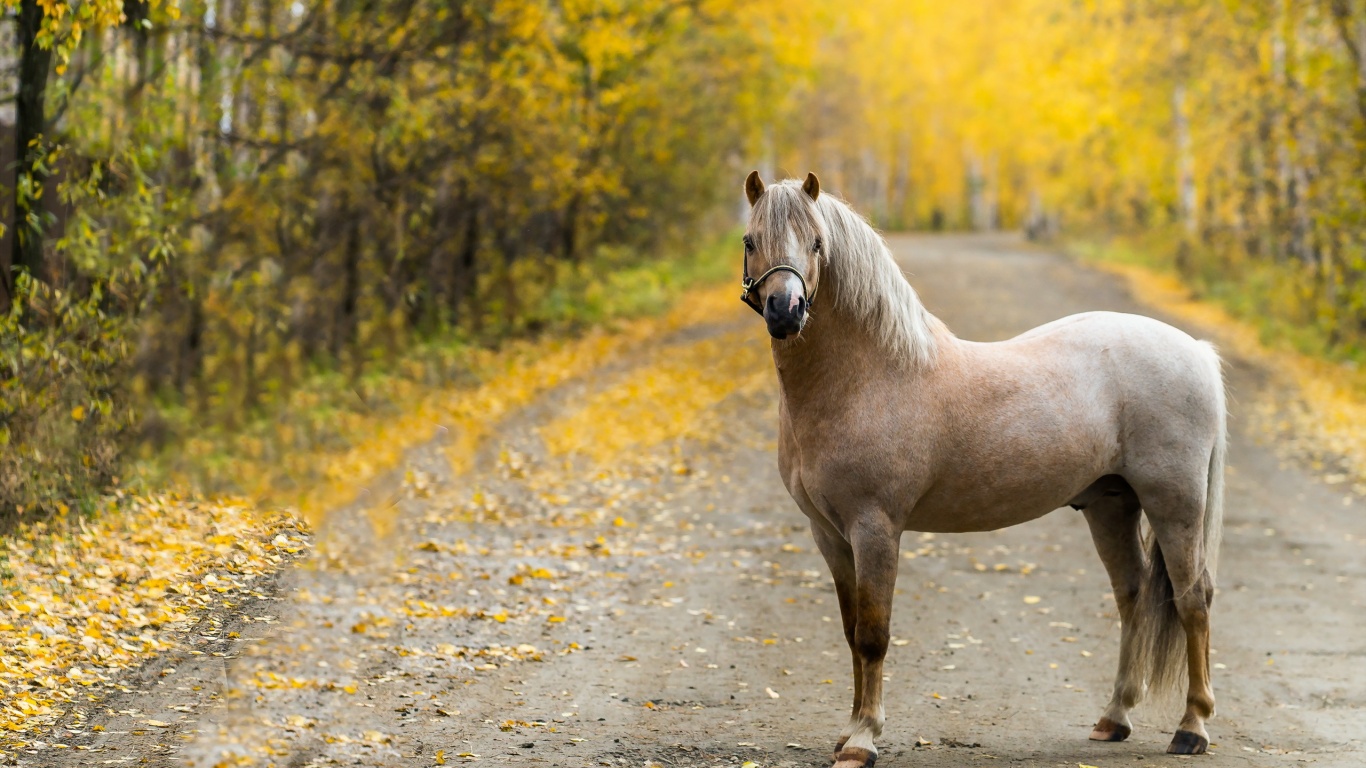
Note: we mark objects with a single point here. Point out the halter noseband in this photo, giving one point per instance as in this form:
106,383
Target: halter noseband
749,283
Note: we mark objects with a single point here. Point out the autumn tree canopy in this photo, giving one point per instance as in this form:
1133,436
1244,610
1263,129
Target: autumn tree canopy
214,200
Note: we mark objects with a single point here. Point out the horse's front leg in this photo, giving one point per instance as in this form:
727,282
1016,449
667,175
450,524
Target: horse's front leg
875,542
839,557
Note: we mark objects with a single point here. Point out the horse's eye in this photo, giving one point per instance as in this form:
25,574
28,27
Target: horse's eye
749,245
816,246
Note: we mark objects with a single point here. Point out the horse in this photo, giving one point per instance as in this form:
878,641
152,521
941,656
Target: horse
889,423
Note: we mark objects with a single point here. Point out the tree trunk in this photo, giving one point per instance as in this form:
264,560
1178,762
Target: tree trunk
1185,163
901,182
346,317
34,64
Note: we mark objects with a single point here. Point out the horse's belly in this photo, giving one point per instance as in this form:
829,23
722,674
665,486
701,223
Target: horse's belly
990,504
979,518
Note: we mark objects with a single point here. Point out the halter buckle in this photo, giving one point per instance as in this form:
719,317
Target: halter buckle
748,284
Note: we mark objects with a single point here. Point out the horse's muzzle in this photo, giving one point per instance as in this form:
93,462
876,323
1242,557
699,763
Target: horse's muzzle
784,316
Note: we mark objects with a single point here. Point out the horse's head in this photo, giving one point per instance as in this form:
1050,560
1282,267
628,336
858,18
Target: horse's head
783,247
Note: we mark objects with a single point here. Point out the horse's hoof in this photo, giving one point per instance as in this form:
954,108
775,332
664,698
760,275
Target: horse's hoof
838,746
1188,743
1108,730
855,757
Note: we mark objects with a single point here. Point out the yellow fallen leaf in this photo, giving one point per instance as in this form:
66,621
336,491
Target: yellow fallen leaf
157,723
1031,599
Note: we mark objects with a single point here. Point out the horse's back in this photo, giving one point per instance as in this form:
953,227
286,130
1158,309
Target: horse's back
1140,350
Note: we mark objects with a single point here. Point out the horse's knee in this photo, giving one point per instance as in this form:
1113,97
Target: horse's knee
871,640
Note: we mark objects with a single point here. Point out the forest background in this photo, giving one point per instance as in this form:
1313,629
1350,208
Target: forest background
232,232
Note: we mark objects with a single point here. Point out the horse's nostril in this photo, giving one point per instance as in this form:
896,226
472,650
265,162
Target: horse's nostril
801,304
773,302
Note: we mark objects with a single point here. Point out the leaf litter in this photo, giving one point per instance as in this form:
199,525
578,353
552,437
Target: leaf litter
88,599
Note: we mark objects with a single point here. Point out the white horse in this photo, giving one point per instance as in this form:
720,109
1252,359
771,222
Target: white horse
890,423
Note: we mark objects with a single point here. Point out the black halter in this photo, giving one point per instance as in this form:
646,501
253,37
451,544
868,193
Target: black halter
749,283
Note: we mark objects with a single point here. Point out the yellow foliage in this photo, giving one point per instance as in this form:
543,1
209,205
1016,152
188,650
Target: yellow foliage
670,398
82,600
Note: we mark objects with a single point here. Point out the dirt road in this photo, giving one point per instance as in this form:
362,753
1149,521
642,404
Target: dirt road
624,582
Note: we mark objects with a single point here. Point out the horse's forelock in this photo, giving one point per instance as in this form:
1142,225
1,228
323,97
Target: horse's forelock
782,208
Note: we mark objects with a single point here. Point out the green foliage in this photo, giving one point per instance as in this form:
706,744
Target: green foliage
64,399
618,283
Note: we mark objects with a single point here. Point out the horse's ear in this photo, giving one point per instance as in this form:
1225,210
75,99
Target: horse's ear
812,186
754,186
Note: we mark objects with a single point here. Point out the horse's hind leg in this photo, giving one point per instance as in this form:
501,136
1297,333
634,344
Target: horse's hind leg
1182,552
1114,522
839,556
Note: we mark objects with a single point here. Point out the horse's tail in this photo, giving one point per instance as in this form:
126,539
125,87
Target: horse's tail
1160,639
1214,490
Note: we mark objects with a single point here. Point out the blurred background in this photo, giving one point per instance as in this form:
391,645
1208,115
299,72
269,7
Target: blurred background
234,233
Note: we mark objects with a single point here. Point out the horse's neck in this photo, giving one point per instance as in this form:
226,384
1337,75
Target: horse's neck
834,355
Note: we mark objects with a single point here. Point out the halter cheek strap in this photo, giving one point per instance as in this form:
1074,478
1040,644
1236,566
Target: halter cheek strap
749,284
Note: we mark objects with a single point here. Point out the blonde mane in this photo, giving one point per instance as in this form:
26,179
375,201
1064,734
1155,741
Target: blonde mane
858,273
